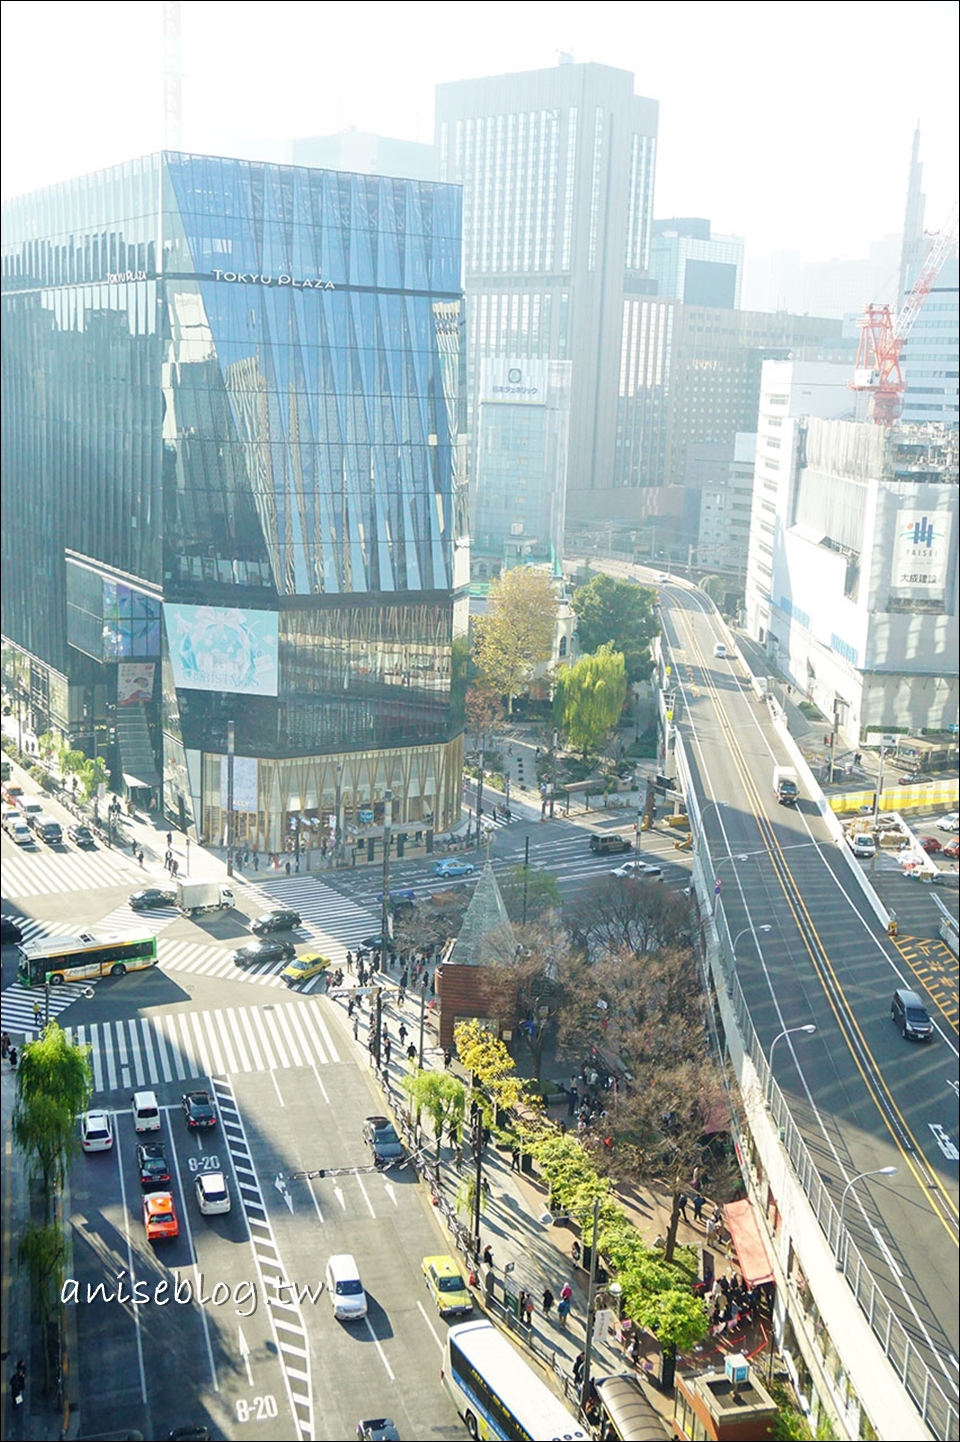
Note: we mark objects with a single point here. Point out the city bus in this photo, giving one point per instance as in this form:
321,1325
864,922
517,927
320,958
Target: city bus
57,959
496,1393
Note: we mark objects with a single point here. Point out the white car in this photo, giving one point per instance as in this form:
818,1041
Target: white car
21,833
950,822
863,845
720,651
639,870
213,1194
96,1132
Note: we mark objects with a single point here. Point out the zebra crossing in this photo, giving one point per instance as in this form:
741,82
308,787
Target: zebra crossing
335,921
48,873
147,1051
17,1014
124,921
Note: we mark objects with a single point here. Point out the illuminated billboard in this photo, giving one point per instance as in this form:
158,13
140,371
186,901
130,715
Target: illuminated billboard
223,648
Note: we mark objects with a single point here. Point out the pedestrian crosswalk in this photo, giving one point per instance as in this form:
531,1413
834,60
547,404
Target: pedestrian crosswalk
124,921
17,1006
334,920
147,1051
43,872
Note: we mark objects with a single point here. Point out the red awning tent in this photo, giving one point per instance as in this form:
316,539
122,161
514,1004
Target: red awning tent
741,1223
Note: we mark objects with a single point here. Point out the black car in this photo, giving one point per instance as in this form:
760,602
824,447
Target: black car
153,1164
382,1139
9,931
283,919
257,952
378,1429
82,836
150,897
198,1110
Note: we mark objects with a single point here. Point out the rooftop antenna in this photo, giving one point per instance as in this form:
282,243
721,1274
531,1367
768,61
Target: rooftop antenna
172,75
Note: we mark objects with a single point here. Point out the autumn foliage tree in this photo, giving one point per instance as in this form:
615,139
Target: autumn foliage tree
516,634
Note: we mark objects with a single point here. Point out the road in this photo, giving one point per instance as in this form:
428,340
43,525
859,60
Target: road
292,1088
810,951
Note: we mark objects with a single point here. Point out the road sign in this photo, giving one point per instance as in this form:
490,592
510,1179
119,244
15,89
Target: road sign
881,738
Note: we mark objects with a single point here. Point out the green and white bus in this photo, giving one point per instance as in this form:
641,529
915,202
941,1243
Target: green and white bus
496,1393
57,959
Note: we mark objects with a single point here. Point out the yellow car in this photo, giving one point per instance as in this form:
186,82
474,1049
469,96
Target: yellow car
446,1285
304,967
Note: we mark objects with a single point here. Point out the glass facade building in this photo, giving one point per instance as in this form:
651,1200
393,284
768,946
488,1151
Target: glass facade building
233,452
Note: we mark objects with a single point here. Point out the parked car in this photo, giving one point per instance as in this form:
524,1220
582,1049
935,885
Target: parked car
9,931
150,898
96,1132
930,845
283,919
198,1110
160,1217
255,953
153,1164
950,822
382,1139
213,1194
454,868
82,836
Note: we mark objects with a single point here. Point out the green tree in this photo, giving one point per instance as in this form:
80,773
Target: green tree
516,634
621,612
442,1097
43,1253
53,1087
589,698
93,774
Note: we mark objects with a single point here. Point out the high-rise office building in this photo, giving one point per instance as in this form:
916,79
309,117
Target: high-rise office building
930,357
725,509
233,501
557,168
695,267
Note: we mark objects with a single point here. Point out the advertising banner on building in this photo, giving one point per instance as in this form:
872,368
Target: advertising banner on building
223,648
921,554
244,782
134,682
514,382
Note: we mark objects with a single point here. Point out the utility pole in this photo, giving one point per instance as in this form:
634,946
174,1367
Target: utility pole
526,871
423,1017
478,1178
377,1015
385,896
231,744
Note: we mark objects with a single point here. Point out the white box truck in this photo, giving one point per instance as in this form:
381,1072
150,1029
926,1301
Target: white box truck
785,787
196,897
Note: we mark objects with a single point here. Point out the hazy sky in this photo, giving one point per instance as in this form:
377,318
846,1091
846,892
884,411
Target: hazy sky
787,123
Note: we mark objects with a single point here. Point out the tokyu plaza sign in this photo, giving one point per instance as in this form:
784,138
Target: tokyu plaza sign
234,277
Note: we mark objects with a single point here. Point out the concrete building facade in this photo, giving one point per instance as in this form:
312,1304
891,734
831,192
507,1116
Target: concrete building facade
695,267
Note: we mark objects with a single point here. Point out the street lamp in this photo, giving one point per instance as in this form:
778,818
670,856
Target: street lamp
879,1172
733,946
808,1028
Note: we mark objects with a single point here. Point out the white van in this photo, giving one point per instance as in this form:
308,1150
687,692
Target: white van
345,1289
146,1112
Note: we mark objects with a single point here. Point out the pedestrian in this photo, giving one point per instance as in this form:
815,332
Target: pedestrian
411,1052
548,1301
488,1255
447,1059
514,1159
386,1052
286,867
174,868
349,961
402,1034
5,1044
356,1027
522,1306
711,1228
458,1155
256,862
140,857
169,837
563,1312
528,1309
698,1205
579,1363
682,1205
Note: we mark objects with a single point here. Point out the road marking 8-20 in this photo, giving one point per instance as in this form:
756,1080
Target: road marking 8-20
257,1409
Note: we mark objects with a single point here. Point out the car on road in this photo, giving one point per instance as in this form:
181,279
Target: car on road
11,792
153,1164
213,1194
638,870
150,898
8,816
82,836
952,849
9,931
255,953
382,1139
446,1286
96,1131
304,968
454,868
378,1429
160,1217
20,833
283,919
663,578
910,1016
374,943
198,1110
950,822
609,843
720,651
930,845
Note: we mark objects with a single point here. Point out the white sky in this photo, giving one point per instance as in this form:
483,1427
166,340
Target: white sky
787,123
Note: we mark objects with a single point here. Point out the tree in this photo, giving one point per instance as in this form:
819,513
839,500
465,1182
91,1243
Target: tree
626,915
529,892
620,612
516,635
484,711
53,1086
93,774
589,698
443,1098
486,1058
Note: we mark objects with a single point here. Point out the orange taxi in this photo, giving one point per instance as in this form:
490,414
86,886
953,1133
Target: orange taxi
160,1217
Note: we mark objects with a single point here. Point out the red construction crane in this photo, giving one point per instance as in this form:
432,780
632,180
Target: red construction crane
882,335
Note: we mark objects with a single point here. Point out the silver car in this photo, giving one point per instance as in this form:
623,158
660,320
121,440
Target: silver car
213,1194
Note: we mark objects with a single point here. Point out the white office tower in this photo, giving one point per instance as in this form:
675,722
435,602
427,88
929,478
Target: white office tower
852,569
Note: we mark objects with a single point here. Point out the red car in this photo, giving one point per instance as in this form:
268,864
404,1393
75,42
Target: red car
930,845
952,849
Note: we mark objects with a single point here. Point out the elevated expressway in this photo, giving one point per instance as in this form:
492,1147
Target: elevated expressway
868,1309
